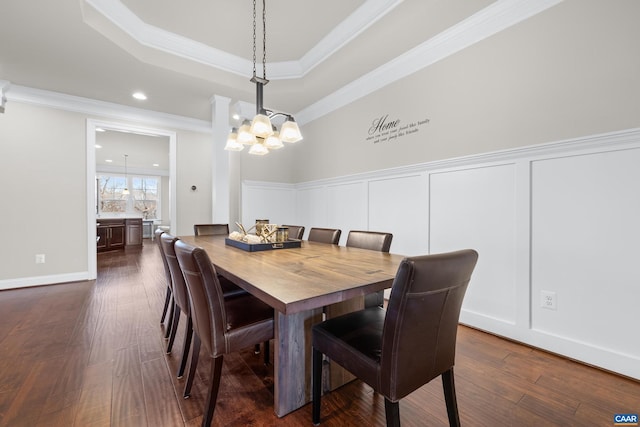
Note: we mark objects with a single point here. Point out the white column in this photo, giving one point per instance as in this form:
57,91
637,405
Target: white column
226,175
4,87
220,209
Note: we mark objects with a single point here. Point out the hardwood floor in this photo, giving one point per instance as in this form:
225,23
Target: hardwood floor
92,354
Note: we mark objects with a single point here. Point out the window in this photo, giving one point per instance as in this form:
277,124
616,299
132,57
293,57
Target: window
144,197
146,194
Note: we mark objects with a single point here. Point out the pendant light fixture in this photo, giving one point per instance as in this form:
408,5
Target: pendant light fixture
260,133
126,179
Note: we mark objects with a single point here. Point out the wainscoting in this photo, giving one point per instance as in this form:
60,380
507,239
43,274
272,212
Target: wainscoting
562,218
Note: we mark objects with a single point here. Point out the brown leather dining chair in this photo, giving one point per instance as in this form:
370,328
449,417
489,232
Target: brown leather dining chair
373,241
229,288
180,299
324,235
399,350
221,325
168,299
295,231
211,229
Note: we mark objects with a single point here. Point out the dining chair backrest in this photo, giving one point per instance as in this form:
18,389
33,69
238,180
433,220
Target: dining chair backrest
372,240
211,229
158,234
324,235
179,287
295,231
205,295
421,322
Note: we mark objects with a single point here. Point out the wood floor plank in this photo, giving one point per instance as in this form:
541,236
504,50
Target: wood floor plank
93,354
128,392
26,405
94,405
161,401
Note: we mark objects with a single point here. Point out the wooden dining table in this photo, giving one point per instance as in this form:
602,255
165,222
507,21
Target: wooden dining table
300,284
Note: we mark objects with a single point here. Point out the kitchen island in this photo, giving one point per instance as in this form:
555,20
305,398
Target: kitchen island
113,234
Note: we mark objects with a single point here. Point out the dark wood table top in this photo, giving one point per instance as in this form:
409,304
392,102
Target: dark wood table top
298,279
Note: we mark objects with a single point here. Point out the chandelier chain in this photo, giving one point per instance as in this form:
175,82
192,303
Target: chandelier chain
254,37
264,39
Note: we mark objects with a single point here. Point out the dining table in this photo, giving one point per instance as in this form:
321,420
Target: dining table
303,285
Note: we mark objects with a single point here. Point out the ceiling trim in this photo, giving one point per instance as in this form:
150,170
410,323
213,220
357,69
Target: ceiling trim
498,16
494,18
104,109
149,36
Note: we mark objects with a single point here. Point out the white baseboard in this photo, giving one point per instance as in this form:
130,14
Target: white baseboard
604,358
25,282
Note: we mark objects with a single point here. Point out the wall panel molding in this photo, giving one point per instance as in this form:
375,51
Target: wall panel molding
502,203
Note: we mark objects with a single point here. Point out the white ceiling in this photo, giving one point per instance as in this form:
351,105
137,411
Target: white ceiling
182,53
320,55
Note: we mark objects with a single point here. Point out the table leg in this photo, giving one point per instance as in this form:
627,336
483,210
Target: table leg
292,360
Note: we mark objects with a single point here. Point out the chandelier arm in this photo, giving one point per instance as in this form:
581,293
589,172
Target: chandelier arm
260,133
273,114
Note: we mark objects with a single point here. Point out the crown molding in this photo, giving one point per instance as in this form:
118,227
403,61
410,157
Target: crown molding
361,19
149,36
105,109
498,16
495,18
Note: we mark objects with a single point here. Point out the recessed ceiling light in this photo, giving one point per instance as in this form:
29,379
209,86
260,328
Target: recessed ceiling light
98,146
139,95
236,116
108,160
156,165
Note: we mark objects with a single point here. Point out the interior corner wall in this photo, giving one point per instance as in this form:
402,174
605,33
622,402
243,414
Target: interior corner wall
567,72
44,206
274,167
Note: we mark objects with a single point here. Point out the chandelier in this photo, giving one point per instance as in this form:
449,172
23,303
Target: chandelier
126,179
260,133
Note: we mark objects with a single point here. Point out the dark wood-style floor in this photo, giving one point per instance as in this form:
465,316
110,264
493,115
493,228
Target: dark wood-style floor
92,354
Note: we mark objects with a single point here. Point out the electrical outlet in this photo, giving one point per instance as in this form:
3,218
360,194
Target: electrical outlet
548,300
39,258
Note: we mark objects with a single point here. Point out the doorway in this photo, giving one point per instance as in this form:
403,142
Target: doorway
161,135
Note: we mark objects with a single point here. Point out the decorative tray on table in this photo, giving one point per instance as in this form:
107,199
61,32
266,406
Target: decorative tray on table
255,247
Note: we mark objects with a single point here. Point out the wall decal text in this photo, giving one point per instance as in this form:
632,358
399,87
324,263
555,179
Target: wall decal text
384,129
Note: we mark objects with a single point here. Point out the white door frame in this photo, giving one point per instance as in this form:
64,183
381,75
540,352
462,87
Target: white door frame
92,125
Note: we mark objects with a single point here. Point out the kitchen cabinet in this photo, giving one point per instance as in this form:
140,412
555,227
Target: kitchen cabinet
134,232
118,234
111,234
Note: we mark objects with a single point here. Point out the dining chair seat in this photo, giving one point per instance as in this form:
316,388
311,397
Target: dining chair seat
403,348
